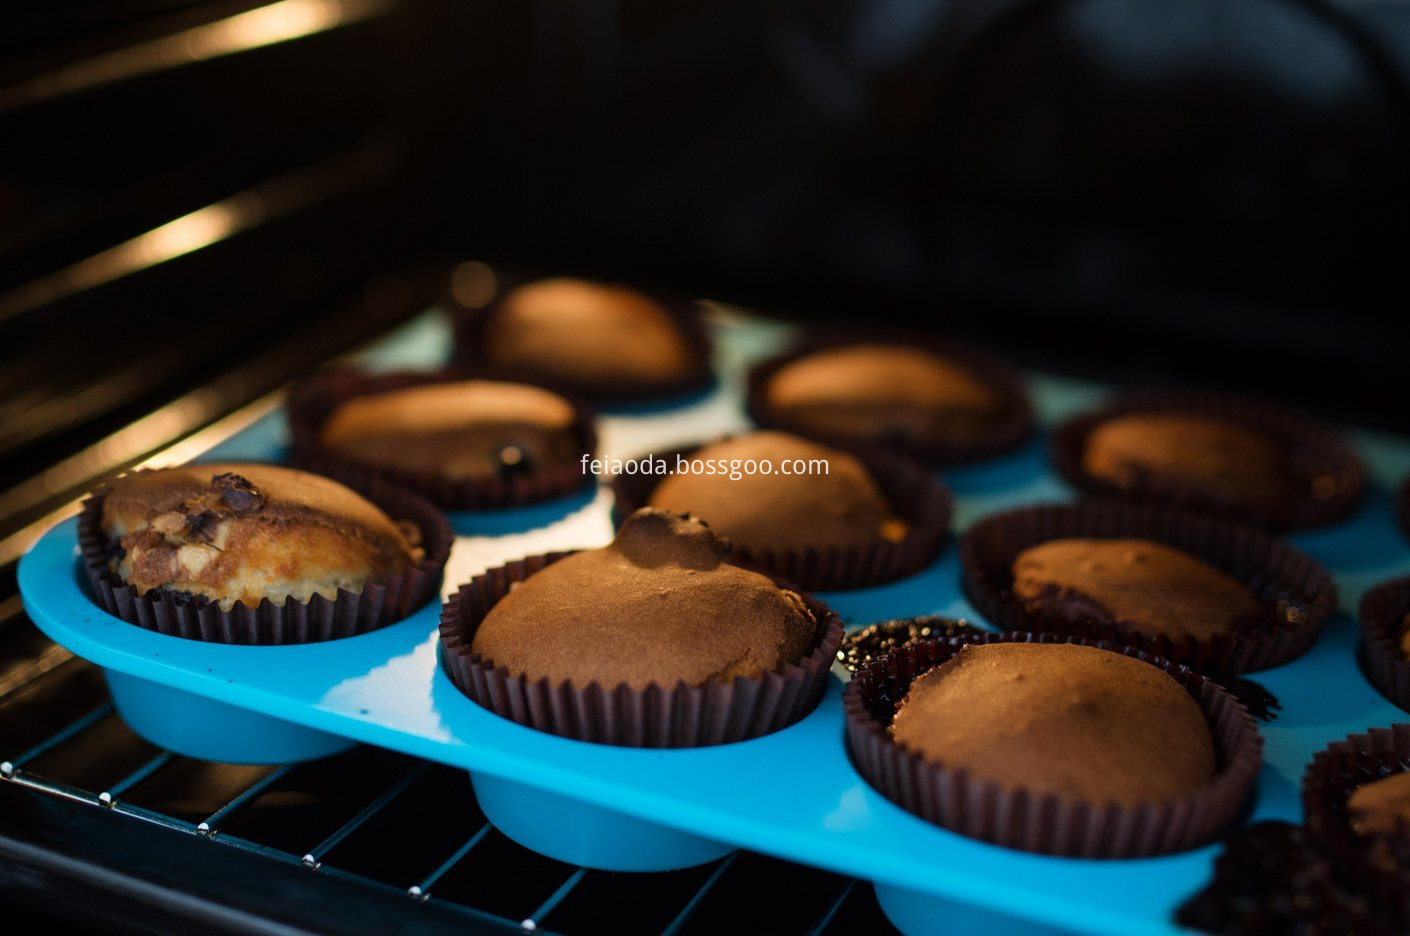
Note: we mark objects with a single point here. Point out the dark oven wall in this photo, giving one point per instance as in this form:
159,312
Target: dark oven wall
1210,190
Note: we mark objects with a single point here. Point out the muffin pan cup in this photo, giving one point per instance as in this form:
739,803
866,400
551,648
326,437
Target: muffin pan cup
313,401
917,497
469,342
1314,449
1009,431
655,717
1273,570
1383,611
1380,865
197,727
1048,824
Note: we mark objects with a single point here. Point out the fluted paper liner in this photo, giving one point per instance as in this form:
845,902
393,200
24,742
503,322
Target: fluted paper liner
1046,823
1298,592
1010,429
295,622
470,328
1383,611
1314,449
656,717
313,401
915,495
1378,865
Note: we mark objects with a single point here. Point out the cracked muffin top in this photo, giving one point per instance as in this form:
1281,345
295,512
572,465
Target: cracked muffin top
243,533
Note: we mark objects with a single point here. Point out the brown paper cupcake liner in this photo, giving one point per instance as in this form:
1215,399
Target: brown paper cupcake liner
658,716
1383,611
311,402
914,493
1378,866
1049,824
1299,593
195,617
1009,431
470,328
1315,450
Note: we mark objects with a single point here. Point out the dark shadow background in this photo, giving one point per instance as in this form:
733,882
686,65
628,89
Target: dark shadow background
1199,191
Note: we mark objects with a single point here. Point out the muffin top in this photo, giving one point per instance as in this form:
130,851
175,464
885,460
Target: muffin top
1376,808
828,500
243,533
1064,719
659,605
1405,636
883,392
586,334
463,430
1139,585
1185,454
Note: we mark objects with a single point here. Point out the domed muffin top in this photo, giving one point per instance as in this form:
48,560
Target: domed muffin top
824,499
659,605
1067,719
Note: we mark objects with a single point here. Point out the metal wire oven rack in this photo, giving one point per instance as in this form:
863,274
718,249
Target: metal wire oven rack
366,841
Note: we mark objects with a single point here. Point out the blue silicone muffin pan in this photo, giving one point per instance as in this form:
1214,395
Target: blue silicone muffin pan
793,794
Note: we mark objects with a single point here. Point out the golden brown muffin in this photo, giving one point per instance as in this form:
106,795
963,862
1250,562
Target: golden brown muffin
833,509
1405,636
1077,721
581,333
465,430
1139,585
1175,454
659,605
238,532
1376,808
882,392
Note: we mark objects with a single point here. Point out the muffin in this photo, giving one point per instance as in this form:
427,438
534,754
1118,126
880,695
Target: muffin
1356,796
249,533
939,403
835,520
260,554
1385,632
1134,584
1174,454
465,444
652,641
659,605
1241,458
470,430
1381,807
1061,719
1221,597
840,507
1052,744
594,340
